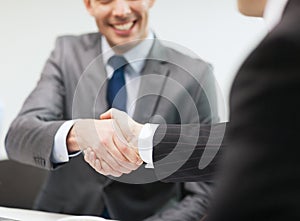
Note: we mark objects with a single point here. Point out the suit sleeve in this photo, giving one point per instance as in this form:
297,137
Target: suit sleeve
178,150
189,152
31,135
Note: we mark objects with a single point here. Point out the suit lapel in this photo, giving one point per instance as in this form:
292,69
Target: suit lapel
153,79
90,93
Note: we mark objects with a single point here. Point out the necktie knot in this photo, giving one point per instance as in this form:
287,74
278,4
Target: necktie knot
117,62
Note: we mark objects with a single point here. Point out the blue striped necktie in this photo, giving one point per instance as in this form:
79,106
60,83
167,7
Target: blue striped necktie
116,90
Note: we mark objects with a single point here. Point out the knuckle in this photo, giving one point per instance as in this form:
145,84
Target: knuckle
128,171
105,173
123,170
124,149
117,174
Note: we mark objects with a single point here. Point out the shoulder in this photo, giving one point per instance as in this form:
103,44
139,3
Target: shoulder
186,59
83,41
76,49
181,55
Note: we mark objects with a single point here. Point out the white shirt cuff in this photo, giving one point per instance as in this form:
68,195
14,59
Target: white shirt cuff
145,144
60,150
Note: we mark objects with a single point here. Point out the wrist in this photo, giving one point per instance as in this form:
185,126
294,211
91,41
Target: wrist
72,144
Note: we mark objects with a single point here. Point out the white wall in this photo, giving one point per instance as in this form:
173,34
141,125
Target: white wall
211,28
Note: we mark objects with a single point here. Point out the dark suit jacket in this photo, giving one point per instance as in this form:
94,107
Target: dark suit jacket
72,86
260,176
260,173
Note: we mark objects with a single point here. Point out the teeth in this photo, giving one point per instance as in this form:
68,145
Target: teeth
124,27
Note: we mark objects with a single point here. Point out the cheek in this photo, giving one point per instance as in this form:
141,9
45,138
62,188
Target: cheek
140,8
101,20
143,15
101,26
101,15
145,4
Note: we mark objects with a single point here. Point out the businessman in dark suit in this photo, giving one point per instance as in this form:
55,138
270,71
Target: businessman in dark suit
259,174
74,86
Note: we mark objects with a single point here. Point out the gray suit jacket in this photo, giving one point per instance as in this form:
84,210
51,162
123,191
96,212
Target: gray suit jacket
72,86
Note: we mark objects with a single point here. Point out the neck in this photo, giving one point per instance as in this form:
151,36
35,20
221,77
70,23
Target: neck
124,47
254,8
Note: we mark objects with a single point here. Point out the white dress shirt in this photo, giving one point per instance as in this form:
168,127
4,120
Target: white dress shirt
136,59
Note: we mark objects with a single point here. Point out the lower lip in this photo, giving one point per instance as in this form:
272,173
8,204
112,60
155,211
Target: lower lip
124,32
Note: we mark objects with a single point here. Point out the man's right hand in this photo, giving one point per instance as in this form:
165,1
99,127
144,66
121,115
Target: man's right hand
104,146
130,129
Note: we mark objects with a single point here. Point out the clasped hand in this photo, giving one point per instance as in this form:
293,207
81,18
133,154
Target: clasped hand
109,144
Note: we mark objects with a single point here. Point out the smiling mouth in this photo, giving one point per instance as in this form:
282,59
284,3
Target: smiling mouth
125,26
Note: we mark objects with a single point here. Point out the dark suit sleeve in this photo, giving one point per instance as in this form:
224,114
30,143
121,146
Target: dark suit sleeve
178,151
31,135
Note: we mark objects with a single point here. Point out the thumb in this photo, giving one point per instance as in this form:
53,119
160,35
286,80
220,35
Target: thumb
108,114
120,118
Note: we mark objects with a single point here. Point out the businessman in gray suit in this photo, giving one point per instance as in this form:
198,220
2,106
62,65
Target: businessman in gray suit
60,118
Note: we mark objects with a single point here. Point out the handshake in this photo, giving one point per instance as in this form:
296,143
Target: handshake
110,144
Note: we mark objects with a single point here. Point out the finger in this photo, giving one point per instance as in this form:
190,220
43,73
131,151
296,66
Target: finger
130,153
86,154
110,153
94,162
103,152
98,167
109,171
92,156
125,164
98,164
88,158
115,165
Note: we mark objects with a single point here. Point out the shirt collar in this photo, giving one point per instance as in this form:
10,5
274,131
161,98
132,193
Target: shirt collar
273,12
135,56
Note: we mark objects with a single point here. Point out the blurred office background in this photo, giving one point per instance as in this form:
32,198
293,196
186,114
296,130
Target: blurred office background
213,29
